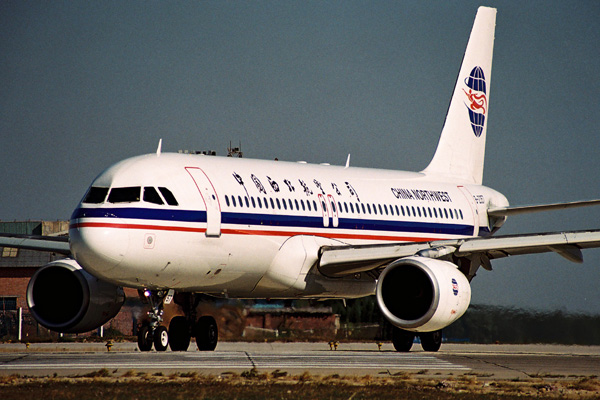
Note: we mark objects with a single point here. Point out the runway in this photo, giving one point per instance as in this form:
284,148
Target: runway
486,361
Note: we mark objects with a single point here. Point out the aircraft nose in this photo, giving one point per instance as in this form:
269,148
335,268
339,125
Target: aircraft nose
99,247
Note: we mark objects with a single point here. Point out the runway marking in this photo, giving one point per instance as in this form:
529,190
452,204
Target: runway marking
232,360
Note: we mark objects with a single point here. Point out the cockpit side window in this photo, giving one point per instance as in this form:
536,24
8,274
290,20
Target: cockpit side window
95,195
152,196
169,198
124,195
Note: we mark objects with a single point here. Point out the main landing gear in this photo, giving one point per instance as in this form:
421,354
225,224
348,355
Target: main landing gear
181,328
403,340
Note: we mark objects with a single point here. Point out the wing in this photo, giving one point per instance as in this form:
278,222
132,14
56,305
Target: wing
55,244
336,261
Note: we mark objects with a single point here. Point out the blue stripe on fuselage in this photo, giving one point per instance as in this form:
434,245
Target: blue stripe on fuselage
275,220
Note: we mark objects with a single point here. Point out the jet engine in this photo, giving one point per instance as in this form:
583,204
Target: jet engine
64,298
422,294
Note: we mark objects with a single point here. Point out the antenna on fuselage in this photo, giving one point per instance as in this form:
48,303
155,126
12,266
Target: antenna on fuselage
347,161
159,149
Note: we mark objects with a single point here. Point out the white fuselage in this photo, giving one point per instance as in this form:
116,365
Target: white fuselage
252,228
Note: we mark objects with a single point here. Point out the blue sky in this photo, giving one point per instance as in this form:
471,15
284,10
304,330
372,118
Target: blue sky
84,85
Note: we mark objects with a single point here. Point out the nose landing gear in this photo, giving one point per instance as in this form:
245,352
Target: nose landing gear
153,333
181,328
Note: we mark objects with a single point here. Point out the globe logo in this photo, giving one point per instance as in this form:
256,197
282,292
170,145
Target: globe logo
454,287
477,100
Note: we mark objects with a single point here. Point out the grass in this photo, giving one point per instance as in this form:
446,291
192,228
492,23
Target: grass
253,384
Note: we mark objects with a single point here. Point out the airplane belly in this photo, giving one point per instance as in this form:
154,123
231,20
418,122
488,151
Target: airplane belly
194,262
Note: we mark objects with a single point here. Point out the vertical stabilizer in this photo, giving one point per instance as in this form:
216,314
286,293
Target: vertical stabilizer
461,149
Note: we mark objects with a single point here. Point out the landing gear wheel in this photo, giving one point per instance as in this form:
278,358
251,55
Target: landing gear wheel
431,341
179,334
207,334
145,338
402,340
161,338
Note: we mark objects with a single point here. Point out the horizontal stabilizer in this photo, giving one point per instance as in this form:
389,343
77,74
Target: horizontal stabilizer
506,211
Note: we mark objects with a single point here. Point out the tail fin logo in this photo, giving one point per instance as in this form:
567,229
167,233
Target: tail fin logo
477,99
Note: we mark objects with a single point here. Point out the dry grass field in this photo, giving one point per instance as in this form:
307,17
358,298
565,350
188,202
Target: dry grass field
103,384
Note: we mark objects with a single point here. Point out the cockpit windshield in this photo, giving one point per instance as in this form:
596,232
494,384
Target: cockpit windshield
151,196
97,195
124,195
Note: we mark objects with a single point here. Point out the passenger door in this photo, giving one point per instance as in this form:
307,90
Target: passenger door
211,201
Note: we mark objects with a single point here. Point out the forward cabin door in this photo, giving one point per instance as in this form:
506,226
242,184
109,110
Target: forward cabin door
211,201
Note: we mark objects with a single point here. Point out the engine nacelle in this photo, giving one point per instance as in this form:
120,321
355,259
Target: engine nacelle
64,298
422,294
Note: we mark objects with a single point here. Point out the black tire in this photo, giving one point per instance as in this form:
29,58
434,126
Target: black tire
207,334
402,340
431,341
145,338
161,338
179,334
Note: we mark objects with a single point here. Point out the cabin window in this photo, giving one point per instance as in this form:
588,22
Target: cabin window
302,203
446,213
351,208
297,205
272,203
333,206
233,201
369,208
308,205
362,206
461,214
240,200
278,204
124,195
284,204
346,207
226,200
290,203
315,205
419,211
398,211
408,210
246,201
266,202
385,208
253,203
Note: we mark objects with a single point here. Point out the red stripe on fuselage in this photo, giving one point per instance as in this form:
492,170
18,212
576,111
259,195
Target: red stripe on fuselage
331,235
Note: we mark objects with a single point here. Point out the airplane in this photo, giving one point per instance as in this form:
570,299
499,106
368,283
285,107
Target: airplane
187,228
